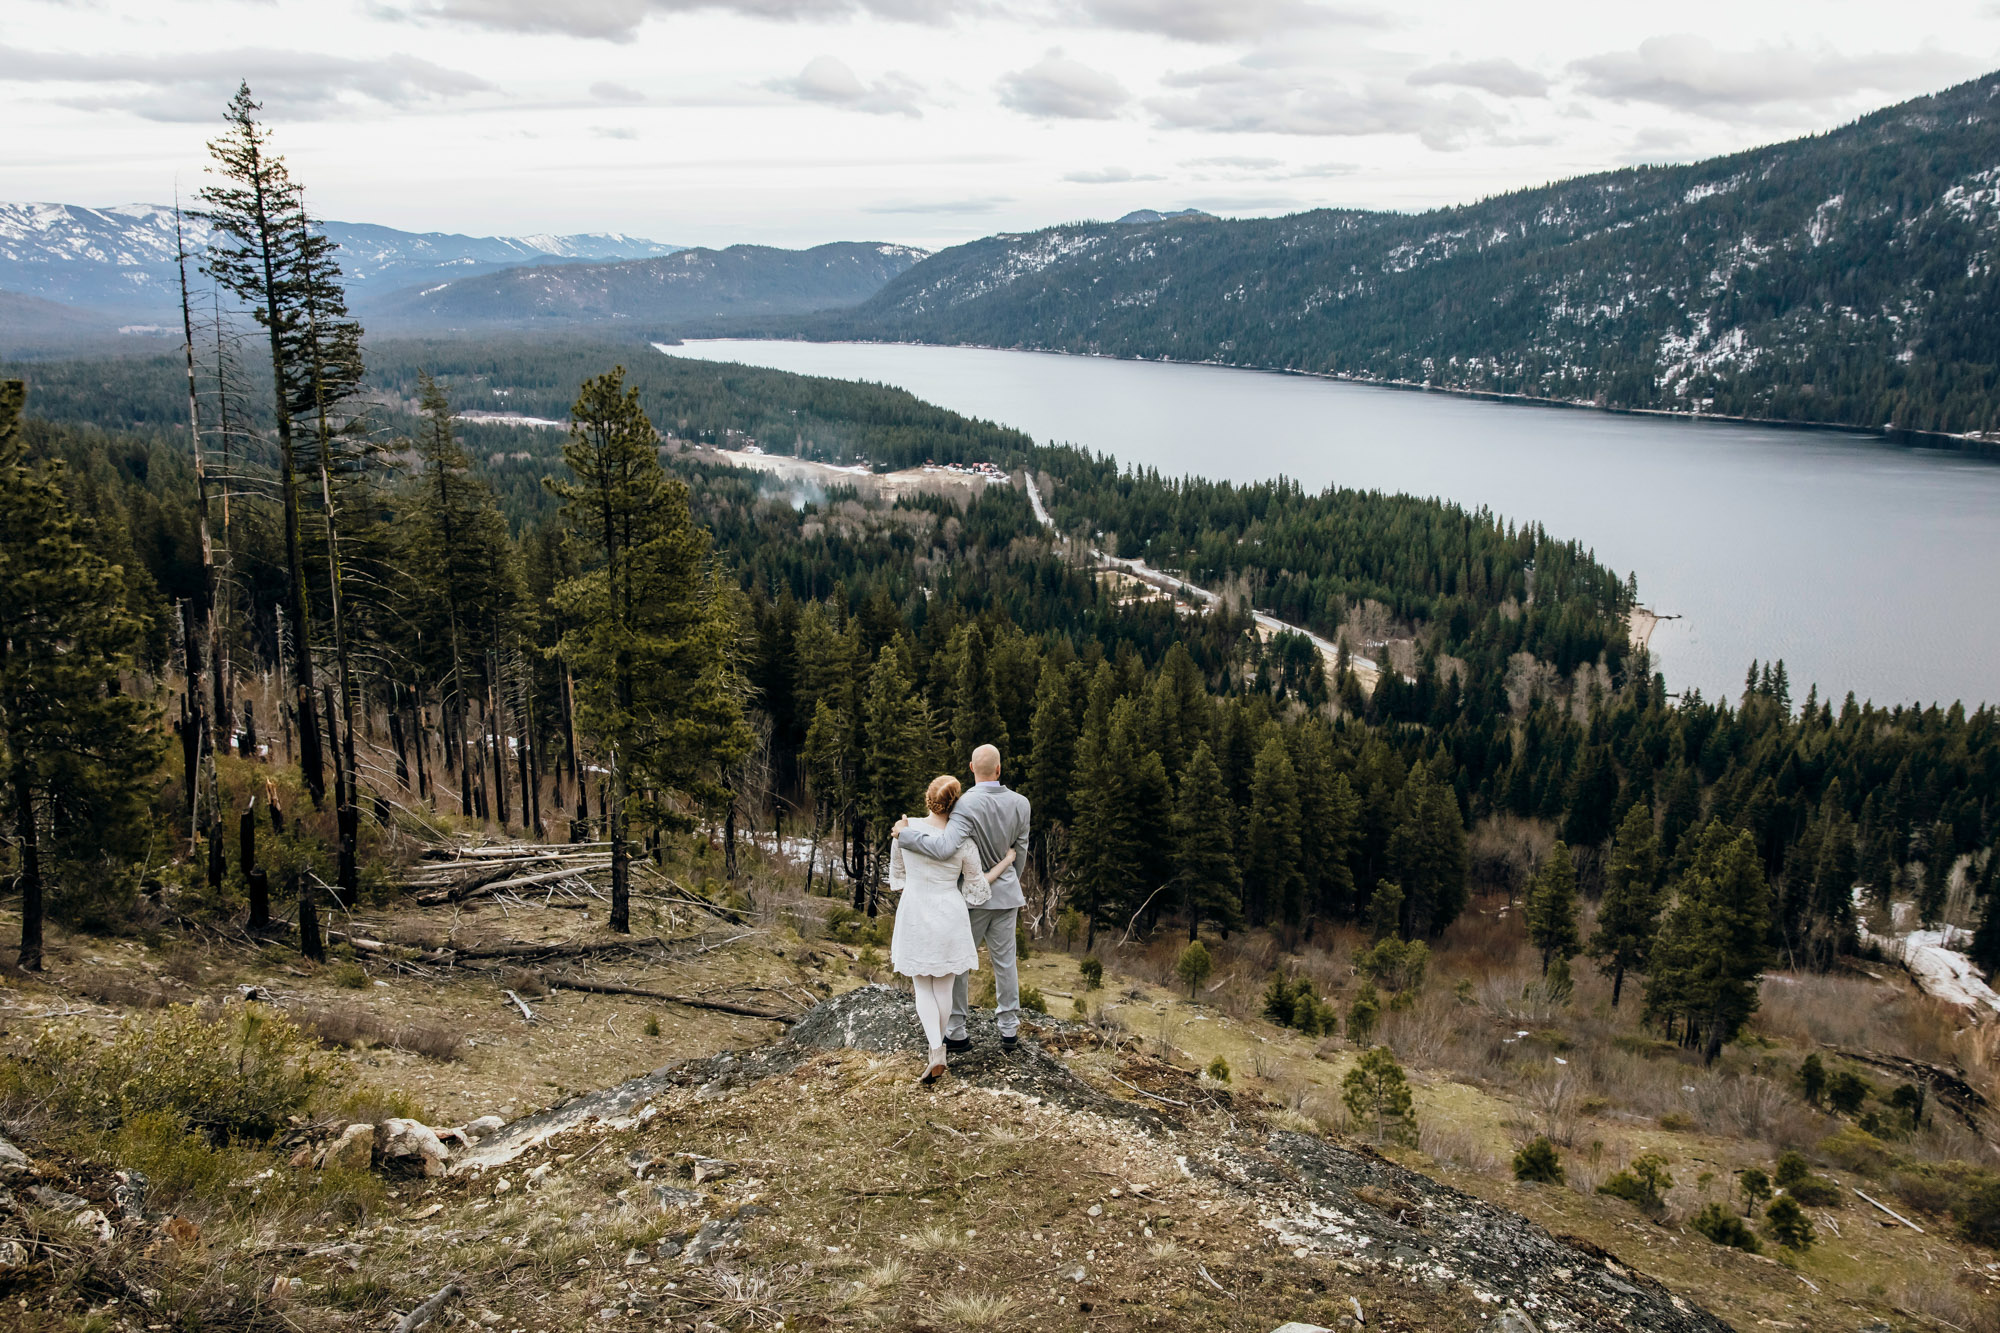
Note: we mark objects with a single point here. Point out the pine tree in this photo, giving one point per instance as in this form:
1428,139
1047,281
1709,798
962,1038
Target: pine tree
1551,907
1375,1089
1629,915
1426,853
77,752
1052,750
1329,823
899,759
653,634
455,558
1204,860
975,710
1714,942
1194,966
1273,878
259,220
1985,948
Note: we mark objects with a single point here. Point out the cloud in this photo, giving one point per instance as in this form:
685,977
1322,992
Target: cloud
831,83
1058,88
614,132
985,204
1689,73
1502,78
1220,20
294,85
1266,168
1249,97
617,94
620,20
1107,176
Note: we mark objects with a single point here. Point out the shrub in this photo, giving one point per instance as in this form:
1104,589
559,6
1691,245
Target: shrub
1362,1014
1194,966
1788,1224
1538,1163
1858,1151
1375,1089
1069,924
1724,1227
1092,972
1812,1079
236,1075
1845,1092
652,1025
1644,1183
1021,951
349,974
1032,998
1218,1069
1977,1209
1396,965
1796,1178
1908,1100
1294,1004
1558,984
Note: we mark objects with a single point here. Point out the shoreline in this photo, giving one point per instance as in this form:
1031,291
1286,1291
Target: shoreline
1888,433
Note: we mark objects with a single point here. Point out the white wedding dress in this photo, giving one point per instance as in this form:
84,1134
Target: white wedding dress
933,935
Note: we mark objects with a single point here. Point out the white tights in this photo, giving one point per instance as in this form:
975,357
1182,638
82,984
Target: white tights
933,1008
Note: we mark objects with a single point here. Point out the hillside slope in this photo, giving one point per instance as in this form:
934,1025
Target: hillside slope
1848,277
690,284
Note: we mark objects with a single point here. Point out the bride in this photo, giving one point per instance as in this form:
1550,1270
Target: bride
933,939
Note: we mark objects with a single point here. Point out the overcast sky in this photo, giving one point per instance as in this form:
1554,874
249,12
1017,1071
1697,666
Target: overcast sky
792,122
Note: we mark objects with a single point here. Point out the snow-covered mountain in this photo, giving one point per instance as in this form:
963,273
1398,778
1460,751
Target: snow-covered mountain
121,260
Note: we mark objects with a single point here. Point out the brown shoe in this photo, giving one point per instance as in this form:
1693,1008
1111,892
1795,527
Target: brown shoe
933,1074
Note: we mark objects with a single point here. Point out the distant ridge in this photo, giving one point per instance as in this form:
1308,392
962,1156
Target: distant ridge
693,285
1139,215
120,260
1851,277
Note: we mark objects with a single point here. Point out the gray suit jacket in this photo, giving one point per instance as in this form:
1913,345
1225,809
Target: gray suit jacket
995,818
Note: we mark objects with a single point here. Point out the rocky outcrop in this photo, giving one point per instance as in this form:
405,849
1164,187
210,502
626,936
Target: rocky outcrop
1346,1207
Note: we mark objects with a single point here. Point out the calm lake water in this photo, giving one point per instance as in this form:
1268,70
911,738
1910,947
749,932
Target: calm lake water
1865,566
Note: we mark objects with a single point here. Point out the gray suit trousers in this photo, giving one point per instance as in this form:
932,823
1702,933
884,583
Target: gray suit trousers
993,930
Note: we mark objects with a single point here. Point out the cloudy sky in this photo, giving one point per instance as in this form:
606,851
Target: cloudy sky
931,121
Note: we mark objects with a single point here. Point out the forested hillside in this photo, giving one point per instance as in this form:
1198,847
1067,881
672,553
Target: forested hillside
1846,278
657,294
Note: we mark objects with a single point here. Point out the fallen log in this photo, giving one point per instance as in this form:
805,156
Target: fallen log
1890,1211
539,951
691,1002
429,1310
481,885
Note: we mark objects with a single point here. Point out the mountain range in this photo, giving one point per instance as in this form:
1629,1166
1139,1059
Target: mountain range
656,294
1849,278
120,262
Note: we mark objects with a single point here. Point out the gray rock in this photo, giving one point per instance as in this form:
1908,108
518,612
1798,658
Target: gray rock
354,1150
713,1236
56,1199
130,1195
668,1196
1296,1327
483,1128
410,1146
1513,1320
13,1162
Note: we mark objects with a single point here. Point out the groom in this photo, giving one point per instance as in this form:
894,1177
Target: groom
996,819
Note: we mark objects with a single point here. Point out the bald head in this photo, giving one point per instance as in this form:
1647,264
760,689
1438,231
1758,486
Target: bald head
986,763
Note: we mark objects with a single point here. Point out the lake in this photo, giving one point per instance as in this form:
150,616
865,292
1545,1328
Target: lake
1866,566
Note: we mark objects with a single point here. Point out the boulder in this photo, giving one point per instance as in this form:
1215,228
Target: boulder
1514,1320
409,1146
354,1150
1301,1328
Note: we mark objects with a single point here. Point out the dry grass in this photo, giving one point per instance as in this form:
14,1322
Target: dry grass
973,1310
358,1027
